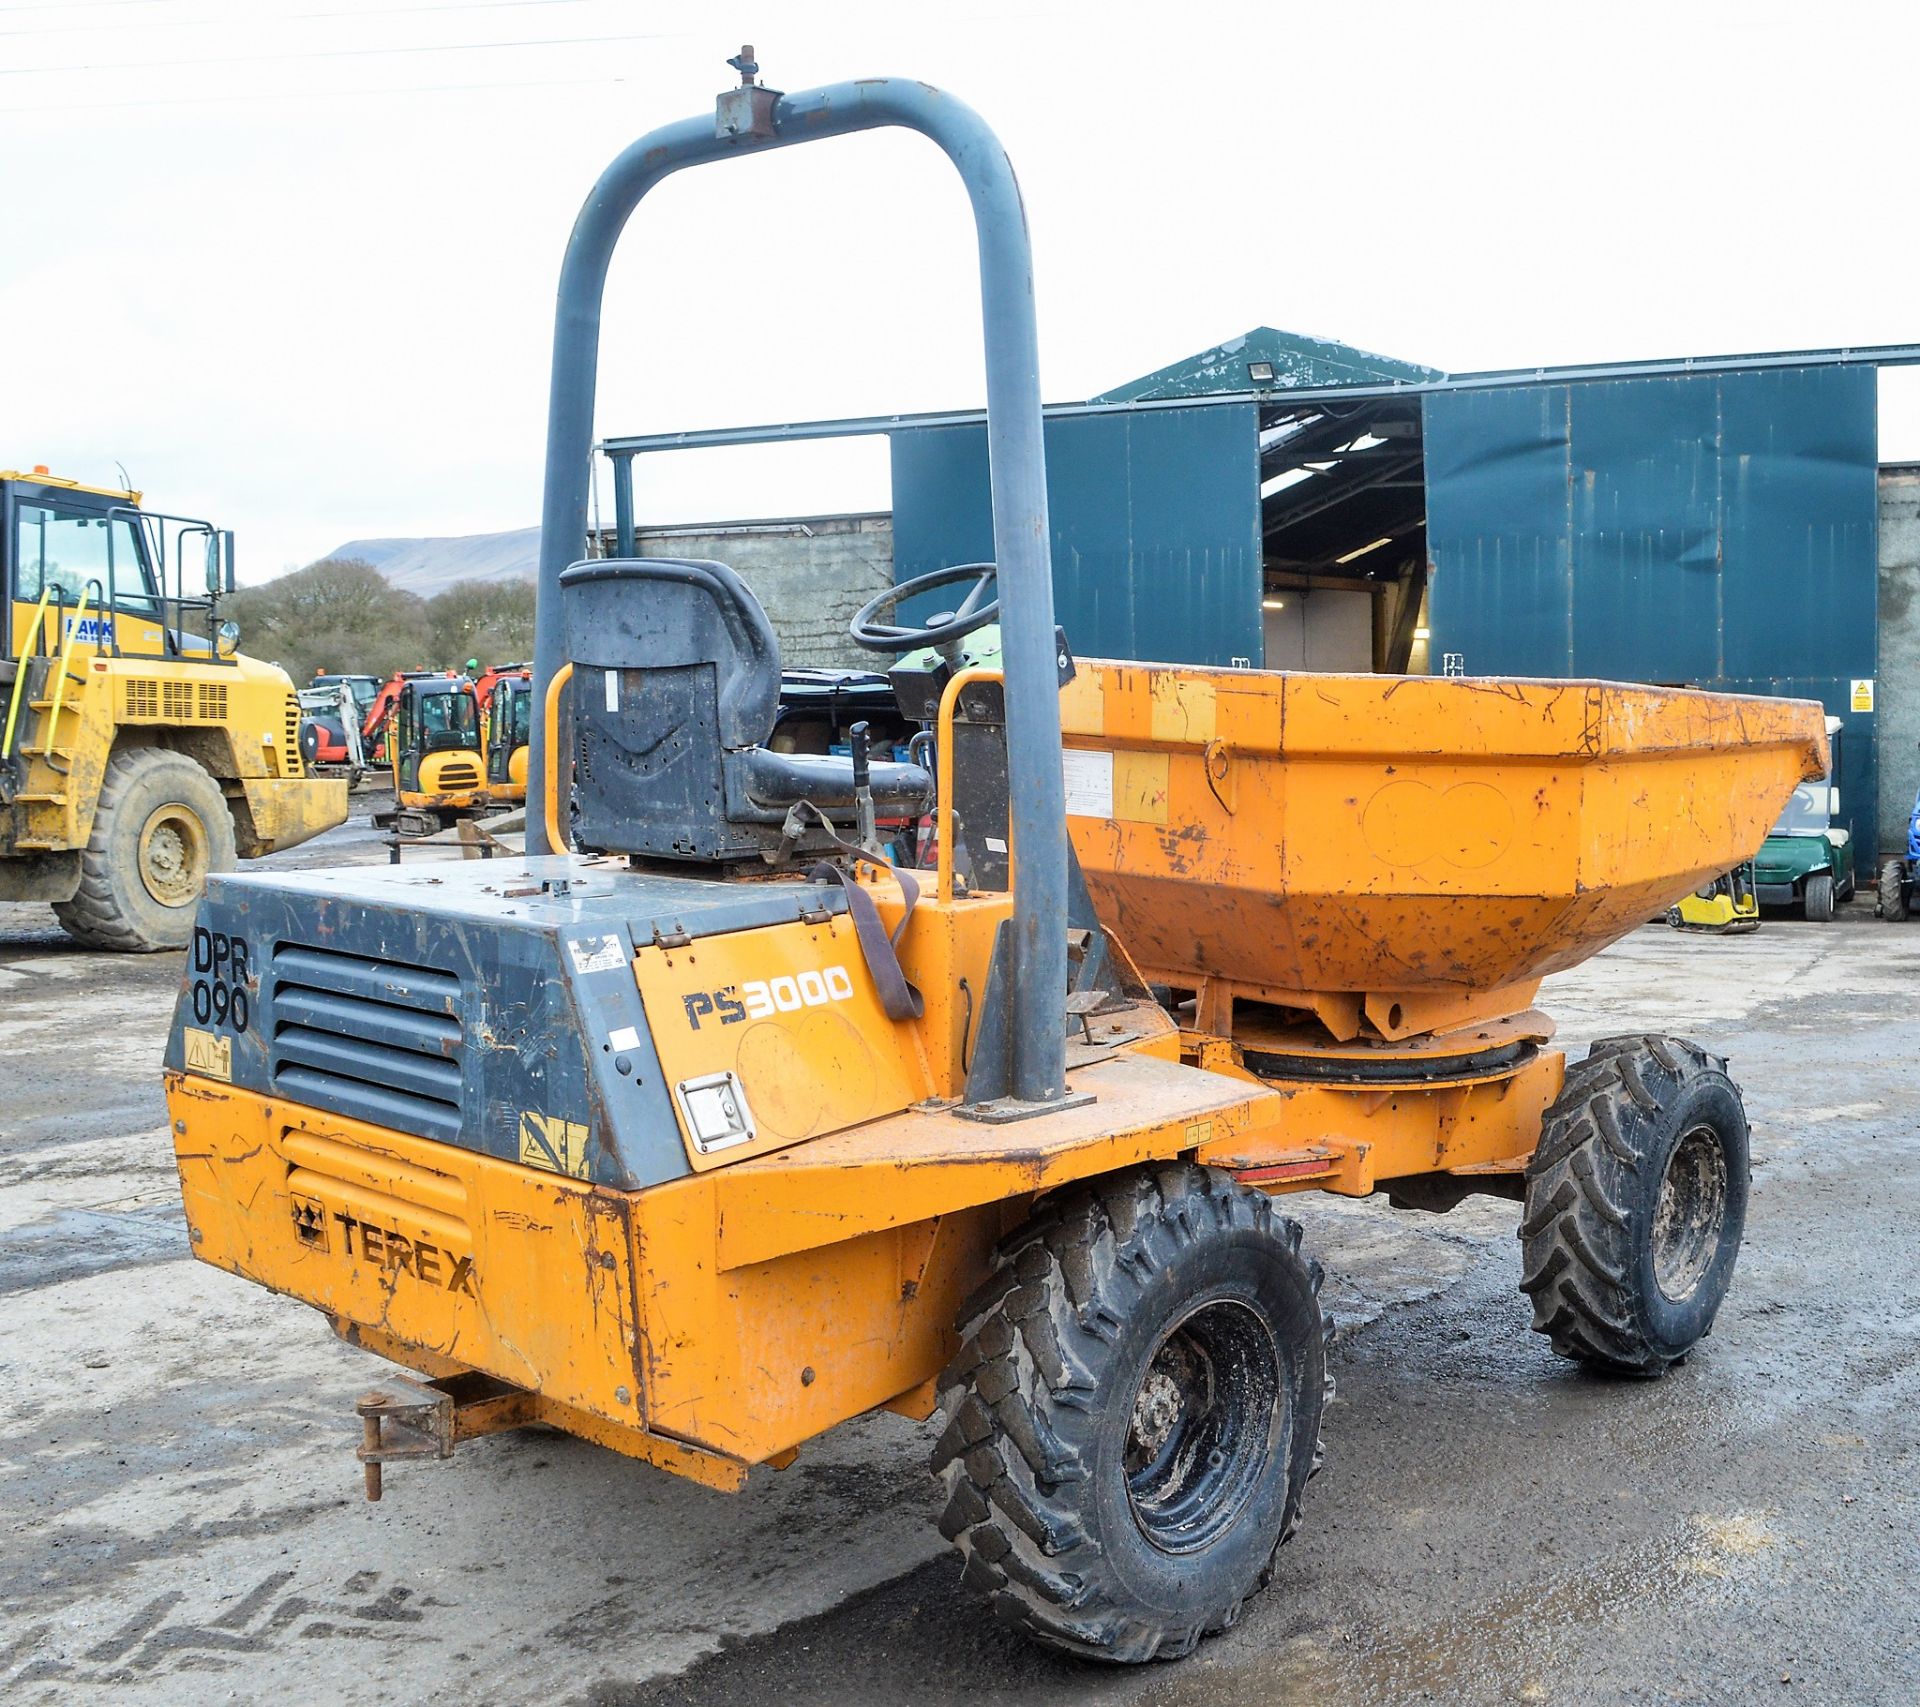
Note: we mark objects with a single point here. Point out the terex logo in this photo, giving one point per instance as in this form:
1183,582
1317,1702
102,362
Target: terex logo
362,1241
760,998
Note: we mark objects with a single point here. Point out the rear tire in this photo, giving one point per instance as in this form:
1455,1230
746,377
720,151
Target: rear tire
1817,900
160,828
1636,1202
1893,890
1134,1413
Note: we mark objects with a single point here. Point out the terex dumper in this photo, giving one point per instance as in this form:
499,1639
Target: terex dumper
720,1130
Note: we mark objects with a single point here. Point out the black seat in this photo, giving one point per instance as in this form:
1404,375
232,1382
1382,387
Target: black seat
676,685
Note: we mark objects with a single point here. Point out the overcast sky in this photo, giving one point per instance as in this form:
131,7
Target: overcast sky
291,262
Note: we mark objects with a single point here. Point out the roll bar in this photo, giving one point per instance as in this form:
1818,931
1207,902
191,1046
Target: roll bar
748,120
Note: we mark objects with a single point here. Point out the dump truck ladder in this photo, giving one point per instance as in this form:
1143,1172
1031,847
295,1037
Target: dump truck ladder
34,760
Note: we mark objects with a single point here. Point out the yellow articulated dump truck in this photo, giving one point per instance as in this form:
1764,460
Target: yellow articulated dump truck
702,1128
139,752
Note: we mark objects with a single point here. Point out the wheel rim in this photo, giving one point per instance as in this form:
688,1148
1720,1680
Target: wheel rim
1691,1212
1202,1427
173,855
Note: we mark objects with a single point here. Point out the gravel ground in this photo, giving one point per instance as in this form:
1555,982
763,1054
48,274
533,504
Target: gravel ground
1492,1526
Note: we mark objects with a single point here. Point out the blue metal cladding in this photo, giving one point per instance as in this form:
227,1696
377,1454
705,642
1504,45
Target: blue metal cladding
1800,462
1499,530
1644,518
1155,521
1718,530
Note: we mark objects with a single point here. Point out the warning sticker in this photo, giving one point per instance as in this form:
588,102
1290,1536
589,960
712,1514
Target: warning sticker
559,1146
209,1054
595,953
1862,697
1089,779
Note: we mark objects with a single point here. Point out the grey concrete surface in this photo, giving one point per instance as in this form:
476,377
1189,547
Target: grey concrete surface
184,1524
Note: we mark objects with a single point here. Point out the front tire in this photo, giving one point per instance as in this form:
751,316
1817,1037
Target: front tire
1817,901
1636,1202
1134,1413
160,828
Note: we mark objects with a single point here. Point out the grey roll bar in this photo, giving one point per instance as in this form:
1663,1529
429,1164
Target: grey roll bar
746,121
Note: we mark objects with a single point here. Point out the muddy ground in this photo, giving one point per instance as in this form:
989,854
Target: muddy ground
183,1520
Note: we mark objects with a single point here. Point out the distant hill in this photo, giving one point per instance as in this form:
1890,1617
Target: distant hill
429,566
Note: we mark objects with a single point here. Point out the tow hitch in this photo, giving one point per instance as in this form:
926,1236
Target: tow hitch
428,1419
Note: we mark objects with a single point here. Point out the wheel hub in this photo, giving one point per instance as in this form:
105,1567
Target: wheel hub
1202,1428
1690,1214
173,856
1155,1410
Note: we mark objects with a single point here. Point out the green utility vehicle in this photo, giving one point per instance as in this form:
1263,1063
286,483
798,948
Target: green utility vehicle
1807,858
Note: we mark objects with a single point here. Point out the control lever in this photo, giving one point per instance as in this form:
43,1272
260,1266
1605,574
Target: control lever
869,833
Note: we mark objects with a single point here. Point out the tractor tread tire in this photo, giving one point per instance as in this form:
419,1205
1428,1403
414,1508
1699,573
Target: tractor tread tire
1020,1404
1892,905
103,913
1592,1185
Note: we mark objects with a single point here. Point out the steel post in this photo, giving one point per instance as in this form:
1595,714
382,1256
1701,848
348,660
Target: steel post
623,505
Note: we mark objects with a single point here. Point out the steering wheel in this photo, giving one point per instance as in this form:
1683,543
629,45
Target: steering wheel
945,627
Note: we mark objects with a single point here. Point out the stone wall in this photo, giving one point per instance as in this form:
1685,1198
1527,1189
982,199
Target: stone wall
1898,689
810,572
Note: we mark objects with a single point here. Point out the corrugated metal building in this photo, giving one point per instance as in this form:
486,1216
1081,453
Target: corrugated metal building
1296,503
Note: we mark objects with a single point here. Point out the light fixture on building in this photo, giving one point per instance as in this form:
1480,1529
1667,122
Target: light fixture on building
1361,551
1423,634
1261,373
1273,604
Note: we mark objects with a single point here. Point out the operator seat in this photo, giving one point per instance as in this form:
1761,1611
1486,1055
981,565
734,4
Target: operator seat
676,686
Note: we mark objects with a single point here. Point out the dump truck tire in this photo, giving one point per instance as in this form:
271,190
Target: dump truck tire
1817,901
1892,904
1134,1413
1636,1202
160,827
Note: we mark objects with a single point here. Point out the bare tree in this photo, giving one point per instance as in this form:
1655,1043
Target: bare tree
339,614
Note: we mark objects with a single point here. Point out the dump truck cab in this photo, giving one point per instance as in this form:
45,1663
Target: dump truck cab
1807,858
140,751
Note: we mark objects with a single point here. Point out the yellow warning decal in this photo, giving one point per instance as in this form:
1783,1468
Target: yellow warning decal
209,1054
559,1146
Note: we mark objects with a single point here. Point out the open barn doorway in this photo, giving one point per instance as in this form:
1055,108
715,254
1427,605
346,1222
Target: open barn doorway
1344,536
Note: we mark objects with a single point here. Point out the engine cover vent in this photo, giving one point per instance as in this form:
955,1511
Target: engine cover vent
375,1040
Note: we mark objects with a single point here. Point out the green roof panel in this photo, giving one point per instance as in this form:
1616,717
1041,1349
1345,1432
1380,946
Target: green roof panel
1298,362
